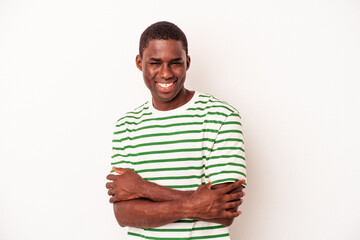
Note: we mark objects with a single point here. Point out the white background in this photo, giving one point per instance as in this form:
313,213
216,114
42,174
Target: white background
67,73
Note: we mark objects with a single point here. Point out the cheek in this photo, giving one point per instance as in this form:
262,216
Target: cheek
180,71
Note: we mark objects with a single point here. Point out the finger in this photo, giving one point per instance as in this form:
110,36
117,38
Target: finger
110,177
208,185
233,196
111,192
234,185
113,199
109,185
234,204
119,170
238,189
227,214
232,209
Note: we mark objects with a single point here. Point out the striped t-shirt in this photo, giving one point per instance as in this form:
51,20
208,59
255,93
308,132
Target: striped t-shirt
183,148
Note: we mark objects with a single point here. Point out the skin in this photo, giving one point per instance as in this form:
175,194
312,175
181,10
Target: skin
165,61
144,204
141,203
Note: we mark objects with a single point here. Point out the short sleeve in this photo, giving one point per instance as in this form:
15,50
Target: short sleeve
226,162
120,157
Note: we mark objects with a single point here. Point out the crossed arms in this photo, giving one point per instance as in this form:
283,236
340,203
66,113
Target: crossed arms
144,204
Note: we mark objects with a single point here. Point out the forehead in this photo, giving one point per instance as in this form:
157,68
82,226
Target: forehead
164,49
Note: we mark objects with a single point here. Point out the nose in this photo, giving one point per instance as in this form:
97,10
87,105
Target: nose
165,72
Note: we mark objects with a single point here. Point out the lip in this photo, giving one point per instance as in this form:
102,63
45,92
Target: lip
165,89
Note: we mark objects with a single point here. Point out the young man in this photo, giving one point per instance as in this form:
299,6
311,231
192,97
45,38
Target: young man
179,158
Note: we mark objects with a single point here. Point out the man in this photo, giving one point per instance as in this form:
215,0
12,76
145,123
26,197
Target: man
179,158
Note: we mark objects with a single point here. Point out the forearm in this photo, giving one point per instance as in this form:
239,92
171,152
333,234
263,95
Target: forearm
223,221
145,213
158,193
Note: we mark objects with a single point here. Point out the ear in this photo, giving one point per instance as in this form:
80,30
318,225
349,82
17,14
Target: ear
138,62
188,60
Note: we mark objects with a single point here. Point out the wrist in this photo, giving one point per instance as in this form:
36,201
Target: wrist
144,189
189,209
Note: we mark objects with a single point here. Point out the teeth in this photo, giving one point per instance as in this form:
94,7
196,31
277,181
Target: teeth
165,85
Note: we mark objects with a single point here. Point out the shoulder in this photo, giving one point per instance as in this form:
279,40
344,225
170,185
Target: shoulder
135,114
214,104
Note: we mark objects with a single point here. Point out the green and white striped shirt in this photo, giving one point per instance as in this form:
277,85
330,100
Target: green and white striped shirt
183,148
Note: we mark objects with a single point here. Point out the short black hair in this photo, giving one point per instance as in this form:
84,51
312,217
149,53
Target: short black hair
162,31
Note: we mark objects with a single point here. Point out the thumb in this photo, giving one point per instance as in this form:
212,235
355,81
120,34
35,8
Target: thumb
119,170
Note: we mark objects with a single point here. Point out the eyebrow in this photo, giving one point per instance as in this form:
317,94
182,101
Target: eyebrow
176,59
172,60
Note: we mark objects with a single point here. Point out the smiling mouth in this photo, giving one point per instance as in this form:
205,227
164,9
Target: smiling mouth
165,87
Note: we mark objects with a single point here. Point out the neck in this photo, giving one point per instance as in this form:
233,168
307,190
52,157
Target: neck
182,98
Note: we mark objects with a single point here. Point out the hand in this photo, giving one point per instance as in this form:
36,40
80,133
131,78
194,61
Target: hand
238,189
125,186
218,203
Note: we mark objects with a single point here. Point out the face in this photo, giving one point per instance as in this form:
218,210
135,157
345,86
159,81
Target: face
164,64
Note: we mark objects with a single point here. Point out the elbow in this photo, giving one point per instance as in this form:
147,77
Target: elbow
228,222
126,220
119,217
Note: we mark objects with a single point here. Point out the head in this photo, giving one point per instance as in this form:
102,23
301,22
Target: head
163,59
162,31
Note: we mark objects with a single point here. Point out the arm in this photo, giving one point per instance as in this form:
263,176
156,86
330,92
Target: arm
204,204
227,221
137,201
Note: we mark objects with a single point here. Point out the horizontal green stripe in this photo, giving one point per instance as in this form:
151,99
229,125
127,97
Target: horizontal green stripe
182,229
207,107
193,176
165,143
227,156
160,160
228,148
188,168
173,117
232,122
230,131
186,221
175,177
162,152
171,169
179,124
204,95
165,134
183,186
134,117
218,101
225,180
133,112
169,125
235,114
177,160
227,164
174,151
187,238
224,172
214,101
228,140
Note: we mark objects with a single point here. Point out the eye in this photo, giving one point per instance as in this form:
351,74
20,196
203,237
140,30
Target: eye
154,63
176,63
